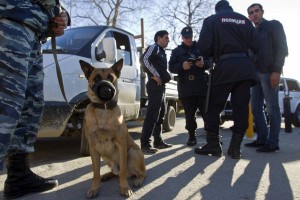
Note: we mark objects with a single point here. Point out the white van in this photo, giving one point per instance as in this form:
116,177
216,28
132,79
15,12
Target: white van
101,46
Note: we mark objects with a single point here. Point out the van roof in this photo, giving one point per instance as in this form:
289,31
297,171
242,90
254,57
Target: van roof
102,27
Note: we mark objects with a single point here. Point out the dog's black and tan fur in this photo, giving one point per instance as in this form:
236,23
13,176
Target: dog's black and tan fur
108,136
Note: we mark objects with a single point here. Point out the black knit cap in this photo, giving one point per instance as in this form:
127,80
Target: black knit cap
221,4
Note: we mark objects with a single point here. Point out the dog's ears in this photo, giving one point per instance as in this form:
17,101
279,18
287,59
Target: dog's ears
86,68
117,67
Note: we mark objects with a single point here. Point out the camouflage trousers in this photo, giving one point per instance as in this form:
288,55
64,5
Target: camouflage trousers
21,88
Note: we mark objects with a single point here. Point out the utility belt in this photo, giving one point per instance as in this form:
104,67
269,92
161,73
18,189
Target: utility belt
232,55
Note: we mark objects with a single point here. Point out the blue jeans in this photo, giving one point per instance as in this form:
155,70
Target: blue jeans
263,93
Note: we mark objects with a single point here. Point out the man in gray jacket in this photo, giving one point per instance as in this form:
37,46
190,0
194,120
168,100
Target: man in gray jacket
269,63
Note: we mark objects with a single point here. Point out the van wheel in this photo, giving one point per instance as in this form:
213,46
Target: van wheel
296,117
170,119
84,145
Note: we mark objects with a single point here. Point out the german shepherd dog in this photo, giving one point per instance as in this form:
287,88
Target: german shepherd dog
107,133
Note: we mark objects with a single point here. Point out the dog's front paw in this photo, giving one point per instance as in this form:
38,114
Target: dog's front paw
126,192
92,193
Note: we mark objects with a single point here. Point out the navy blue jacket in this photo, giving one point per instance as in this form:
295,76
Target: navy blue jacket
229,32
186,87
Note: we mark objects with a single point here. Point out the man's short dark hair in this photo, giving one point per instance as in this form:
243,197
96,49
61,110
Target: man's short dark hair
253,5
161,34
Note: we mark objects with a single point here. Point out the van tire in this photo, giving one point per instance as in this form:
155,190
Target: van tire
296,117
84,146
170,119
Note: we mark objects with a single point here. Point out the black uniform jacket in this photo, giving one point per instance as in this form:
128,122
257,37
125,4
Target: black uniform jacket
271,56
229,32
186,86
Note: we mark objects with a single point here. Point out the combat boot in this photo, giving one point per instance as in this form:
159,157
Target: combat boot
192,139
234,150
212,147
21,180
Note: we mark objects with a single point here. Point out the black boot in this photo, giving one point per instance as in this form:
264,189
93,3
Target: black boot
234,149
213,146
21,180
192,139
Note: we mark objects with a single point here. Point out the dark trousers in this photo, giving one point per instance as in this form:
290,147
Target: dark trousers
190,106
240,97
155,114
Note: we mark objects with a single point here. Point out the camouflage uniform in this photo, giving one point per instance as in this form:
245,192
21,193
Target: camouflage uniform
23,23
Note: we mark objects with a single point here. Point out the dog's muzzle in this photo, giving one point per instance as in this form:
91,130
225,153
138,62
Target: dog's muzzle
105,90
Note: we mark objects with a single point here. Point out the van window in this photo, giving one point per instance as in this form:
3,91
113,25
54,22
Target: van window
293,85
123,47
76,41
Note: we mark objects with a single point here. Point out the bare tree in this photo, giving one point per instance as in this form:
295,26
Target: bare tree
177,14
107,12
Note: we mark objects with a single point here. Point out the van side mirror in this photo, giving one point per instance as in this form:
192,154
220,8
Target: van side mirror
107,50
281,87
100,54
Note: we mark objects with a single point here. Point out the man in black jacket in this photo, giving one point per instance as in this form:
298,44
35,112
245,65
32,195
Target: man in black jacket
192,84
155,63
227,36
269,63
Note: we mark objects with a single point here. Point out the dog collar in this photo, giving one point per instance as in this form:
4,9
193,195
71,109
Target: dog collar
107,105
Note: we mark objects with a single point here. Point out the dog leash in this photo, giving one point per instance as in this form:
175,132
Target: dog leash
59,76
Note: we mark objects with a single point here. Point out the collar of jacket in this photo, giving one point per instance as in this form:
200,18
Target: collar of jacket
188,47
160,47
225,9
262,23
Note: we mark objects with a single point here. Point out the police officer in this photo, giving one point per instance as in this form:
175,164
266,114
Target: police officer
227,36
192,81
23,24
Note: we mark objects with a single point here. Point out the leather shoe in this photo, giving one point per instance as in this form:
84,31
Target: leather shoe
162,145
267,148
255,144
149,150
192,142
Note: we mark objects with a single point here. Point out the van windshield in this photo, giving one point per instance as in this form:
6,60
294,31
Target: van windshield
76,41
